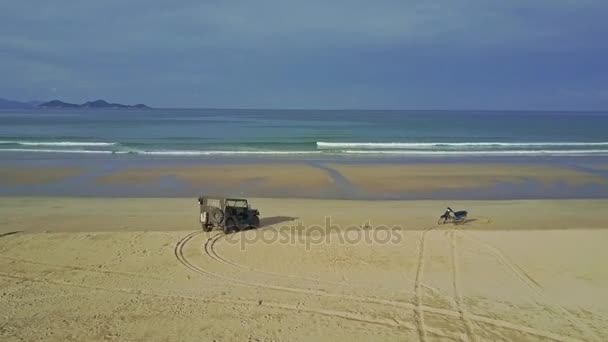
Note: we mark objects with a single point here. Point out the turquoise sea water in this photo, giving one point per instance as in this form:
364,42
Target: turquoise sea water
316,133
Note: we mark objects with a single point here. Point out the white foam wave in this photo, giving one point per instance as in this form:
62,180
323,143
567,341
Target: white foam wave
56,151
58,143
327,152
212,153
480,153
160,153
432,145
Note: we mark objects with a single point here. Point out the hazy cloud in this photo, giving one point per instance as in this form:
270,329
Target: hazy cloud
311,54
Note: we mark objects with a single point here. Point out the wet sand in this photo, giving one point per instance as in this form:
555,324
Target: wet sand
141,269
430,177
26,175
307,179
295,178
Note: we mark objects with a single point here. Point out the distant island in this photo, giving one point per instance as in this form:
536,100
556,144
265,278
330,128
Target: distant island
12,104
97,104
90,104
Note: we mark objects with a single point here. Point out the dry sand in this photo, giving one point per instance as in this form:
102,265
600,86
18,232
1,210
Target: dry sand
140,269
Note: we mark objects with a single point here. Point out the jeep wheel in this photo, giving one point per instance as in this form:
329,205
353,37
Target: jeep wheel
255,221
229,226
207,227
216,216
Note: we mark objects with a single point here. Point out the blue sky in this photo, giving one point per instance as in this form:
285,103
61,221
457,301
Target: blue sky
471,54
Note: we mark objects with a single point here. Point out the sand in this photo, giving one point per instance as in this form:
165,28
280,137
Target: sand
140,269
429,177
318,179
11,175
295,177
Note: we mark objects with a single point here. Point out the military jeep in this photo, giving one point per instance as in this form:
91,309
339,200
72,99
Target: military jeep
229,214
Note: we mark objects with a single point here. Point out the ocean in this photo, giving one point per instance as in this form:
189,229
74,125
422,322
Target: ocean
191,133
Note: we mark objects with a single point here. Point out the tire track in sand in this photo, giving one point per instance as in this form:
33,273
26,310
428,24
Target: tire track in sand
277,305
534,286
83,269
225,260
464,314
423,308
346,315
418,310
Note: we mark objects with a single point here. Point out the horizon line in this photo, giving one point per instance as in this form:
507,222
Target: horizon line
335,109
395,109
320,109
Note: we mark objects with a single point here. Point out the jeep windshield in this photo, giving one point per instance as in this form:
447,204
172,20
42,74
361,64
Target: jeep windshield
236,203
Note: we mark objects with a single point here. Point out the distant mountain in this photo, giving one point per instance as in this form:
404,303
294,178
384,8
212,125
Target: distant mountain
58,104
10,104
102,104
90,104
35,103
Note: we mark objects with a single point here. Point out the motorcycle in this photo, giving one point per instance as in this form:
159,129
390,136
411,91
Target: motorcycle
451,216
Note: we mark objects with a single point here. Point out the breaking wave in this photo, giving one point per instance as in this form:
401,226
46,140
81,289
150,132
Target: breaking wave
211,153
480,153
324,152
58,143
319,148
160,152
449,145
35,150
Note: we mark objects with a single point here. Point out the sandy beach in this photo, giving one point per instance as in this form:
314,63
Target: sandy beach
141,269
227,171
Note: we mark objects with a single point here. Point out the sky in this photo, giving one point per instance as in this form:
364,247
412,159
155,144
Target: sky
383,54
